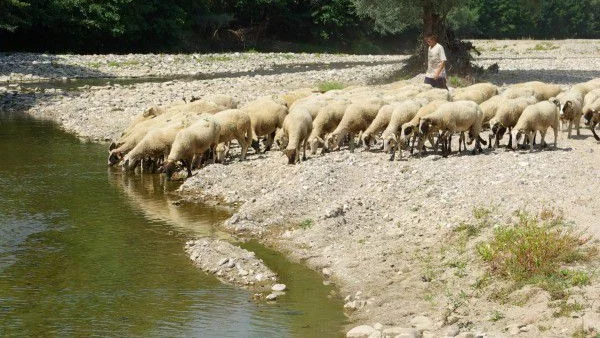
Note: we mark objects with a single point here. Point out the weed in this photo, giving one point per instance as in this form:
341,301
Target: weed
122,64
565,309
496,316
330,85
544,46
306,224
456,81
215,58
535,250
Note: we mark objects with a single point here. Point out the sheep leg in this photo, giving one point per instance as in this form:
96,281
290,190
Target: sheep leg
351,144
577,125
304,151
555,130
490,137
269,143
188,166
414,140
593,127
530,137
569,128
543,142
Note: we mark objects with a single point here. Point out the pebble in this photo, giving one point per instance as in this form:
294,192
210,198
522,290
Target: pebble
279,287
362,331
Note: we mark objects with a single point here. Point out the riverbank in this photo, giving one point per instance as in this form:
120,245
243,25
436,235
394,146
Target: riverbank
382,231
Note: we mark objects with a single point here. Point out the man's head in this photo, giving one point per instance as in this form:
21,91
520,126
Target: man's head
431,39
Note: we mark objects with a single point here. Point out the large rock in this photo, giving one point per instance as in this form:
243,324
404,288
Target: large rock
363,331
401,332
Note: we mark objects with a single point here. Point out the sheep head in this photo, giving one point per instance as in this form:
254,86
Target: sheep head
220,151
169,168
291,155
425,125
114,157
390,142
314,143
130,163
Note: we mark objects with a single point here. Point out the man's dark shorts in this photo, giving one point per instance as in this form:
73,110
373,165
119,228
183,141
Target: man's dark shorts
439,83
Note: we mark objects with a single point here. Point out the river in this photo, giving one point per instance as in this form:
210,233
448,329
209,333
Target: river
89,251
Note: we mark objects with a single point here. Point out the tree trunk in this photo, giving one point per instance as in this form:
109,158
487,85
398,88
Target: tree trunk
457,52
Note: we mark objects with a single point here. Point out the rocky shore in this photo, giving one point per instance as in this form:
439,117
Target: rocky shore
383,231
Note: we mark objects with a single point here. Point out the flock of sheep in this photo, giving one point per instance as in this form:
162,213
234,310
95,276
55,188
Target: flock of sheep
399,115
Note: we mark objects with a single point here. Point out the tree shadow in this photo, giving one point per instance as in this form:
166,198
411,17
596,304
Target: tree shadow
32,66
546,75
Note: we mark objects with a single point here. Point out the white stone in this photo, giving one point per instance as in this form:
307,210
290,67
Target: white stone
403,332
363,331
421,323
271,296
278,287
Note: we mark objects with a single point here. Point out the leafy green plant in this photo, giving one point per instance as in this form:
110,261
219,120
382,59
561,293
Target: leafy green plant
535,251
306,224
330,85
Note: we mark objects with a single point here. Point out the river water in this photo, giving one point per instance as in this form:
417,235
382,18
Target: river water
88,251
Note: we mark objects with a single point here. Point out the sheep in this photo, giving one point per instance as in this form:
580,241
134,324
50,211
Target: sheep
434,94
478,92
402,113
412,127
517,92
326,121
222,100
192,141
489,108
507,115
457,116
357,117
594,109
571,109
266,115
311,103
588,101
380,122
290,97
235,124
297,126
541,90
156,144
538,117
588,86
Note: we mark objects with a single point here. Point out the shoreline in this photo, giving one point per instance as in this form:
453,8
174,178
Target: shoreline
372,226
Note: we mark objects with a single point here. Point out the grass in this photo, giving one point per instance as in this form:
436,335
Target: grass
330,85
457,81
544,46
306,224
496,316
215,58
536,251
123,64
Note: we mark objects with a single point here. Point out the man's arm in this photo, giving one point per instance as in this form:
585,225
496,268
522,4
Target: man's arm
439,70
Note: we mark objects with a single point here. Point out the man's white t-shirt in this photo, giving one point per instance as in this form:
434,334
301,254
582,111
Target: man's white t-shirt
435,56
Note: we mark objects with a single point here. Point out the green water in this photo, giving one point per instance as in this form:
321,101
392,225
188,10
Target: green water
87,251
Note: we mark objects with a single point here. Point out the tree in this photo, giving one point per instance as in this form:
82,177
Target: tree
394,16
11,14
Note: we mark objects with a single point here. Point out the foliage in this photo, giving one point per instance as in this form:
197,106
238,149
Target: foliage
362,26
327,86
535,250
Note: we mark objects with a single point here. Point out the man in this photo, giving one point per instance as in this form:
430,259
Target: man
436,63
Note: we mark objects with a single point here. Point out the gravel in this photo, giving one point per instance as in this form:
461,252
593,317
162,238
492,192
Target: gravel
378,229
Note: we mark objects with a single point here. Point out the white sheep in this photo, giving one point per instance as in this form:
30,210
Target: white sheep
156,145
357,117
380,122
290,97
538,117
411,128
190,142
297,126
506,117
235,124
401,114
457,116
478,92
594,118
490,107
266,115
588,86
588,101
312,104
326,121
541,90
571,109
434,94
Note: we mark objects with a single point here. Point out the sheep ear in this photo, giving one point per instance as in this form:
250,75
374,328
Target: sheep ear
112,146
568,104
408,130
